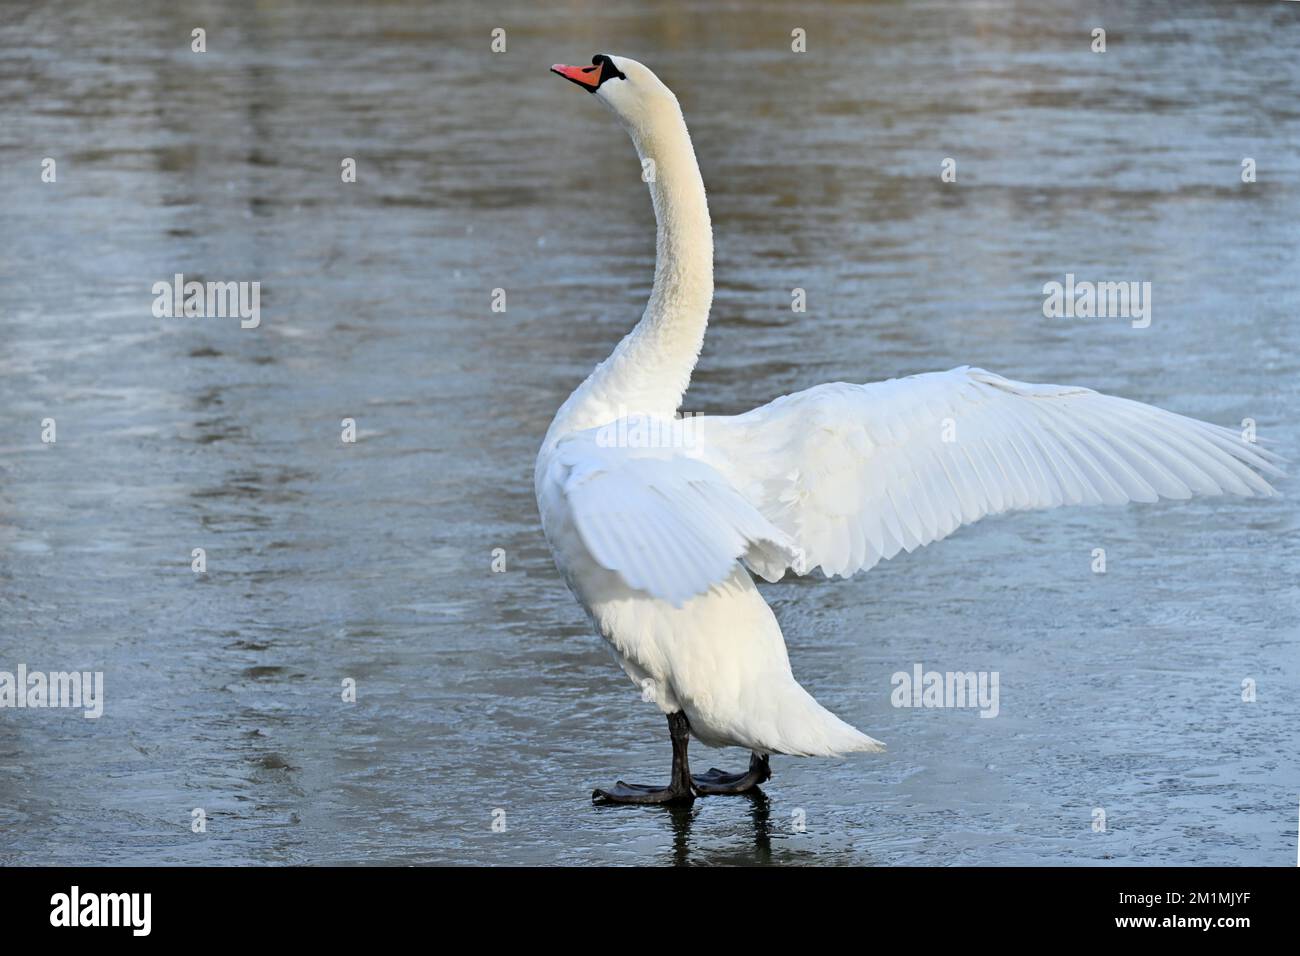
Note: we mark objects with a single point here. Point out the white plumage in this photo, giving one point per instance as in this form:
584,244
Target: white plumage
856,473
655,542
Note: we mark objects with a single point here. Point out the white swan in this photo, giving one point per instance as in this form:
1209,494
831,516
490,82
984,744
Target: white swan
656,523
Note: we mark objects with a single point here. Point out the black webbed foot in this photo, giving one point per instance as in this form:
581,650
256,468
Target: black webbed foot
718,783
679,791
642,793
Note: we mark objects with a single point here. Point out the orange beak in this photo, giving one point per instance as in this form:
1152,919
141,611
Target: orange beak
588,77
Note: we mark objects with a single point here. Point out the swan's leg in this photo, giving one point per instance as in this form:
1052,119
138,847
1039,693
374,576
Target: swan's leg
716,782
679,787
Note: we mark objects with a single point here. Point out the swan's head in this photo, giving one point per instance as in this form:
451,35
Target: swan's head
638,98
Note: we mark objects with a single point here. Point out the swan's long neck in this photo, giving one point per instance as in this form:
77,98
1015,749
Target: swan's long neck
650,369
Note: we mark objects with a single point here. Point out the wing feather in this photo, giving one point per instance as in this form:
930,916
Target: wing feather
853,474
664,521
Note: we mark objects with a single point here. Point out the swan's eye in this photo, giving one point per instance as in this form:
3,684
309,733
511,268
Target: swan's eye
608,70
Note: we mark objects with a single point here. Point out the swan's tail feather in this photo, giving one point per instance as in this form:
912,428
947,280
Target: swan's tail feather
801,727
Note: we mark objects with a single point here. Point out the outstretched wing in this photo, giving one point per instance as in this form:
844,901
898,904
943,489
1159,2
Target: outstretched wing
666,522
855,473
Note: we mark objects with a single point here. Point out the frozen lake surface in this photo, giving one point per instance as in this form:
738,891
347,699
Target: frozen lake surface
480,692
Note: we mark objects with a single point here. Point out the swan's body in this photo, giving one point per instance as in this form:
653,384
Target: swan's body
656,523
